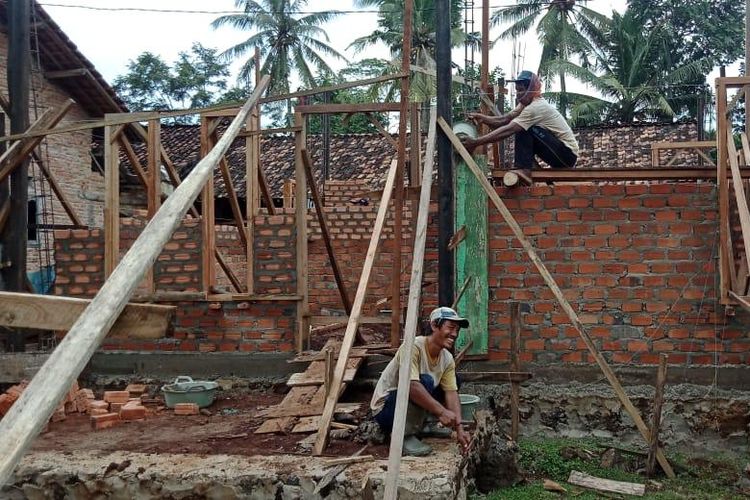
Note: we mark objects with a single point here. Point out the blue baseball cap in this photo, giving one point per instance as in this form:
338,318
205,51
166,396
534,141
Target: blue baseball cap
446,313
523,76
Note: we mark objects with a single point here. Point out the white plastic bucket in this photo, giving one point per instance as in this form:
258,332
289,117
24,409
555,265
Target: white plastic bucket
465,129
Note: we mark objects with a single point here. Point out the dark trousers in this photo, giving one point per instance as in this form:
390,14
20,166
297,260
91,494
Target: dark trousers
384,417
538,141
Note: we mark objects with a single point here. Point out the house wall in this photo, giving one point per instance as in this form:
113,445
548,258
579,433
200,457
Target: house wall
67,156
637,262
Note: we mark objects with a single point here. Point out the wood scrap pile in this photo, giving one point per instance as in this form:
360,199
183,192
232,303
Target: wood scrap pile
300,410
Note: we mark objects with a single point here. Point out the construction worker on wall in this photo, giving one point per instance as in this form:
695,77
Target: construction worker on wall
539,129
433,391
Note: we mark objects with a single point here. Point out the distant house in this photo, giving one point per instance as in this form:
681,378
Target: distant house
60,72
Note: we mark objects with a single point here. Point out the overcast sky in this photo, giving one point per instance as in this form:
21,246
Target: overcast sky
111,38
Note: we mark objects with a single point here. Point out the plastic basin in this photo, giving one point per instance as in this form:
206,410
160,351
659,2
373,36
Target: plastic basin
469,404
186,390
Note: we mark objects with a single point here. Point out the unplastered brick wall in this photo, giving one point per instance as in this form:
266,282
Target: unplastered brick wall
68,158
636,262
627,147
338,193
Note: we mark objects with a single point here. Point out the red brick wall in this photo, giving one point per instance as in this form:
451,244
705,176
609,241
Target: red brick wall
637,262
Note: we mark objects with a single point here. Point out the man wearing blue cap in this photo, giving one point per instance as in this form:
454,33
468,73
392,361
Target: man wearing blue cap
433,389
539,129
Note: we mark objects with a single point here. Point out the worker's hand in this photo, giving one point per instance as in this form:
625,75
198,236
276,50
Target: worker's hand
448,418
477,118
463,438
469,143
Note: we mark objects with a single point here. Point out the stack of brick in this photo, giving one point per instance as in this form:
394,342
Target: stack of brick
77,400
118,406
10,397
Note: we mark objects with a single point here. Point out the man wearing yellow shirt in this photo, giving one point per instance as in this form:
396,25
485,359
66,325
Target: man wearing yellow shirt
433,389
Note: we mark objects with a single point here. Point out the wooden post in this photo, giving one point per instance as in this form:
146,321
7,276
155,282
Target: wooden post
111,202
723,185
30,413
329,370
398,198
550,281
515,366
415,150
661,379
747,66
484,75
359,300
412,317
208,228
300,215
154,183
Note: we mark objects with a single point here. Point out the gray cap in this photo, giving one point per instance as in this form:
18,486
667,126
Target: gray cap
448,314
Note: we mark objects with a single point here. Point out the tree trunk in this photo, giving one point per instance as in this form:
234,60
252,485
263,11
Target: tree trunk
563,104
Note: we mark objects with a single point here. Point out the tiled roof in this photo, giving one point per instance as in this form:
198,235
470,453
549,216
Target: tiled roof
74,73
364,157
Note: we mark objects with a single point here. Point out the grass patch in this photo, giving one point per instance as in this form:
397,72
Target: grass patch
713,477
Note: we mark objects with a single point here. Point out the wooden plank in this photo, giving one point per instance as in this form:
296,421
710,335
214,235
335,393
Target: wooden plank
415,149
364,320
208,228
379,126
29,415
723,186
334,472
154,183
228,271
348,460
51,312
550,281
337,275
682,145
461,291
608,485
276,425
251,186
21,149
111,203
412,314
515,365
4,213
627,174
133,159
457,238
315,373
741,200
300,219
661,379
359,299
377,107
741,300
308,410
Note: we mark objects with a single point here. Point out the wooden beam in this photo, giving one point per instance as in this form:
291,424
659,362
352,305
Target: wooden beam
234,202
739,194
251,186
412,315
337,275
31,412
379,126
49,312
153,147
628,174
461,292
661,379
4,213
111,202
18,151
550,281
208,227
67,73
359,299
733,81
415,149
343,320
134,161
515,365
741,300
378,107
606,485
723,188
300,219
457,238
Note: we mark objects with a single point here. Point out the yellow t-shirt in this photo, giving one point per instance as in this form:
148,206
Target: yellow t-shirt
442,370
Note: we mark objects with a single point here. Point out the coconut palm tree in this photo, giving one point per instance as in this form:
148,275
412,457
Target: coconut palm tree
565,28
631,71
289,42
390,31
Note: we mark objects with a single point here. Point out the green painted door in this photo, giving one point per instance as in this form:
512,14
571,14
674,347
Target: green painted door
471,258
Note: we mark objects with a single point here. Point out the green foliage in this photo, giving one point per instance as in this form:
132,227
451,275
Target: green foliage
712,477
695,29
466,97
632,72
288,42
195,79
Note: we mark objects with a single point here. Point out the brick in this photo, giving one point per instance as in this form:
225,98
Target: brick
135,390
98,411
116,396
133,412
104,421
98,405
186,409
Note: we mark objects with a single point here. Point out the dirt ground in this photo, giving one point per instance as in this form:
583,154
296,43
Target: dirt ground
227,430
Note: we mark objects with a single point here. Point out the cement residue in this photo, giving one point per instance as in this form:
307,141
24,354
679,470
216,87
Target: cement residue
700,418
122,475
493,462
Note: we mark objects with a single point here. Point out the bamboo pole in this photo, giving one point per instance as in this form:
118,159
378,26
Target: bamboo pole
550,281
30,413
